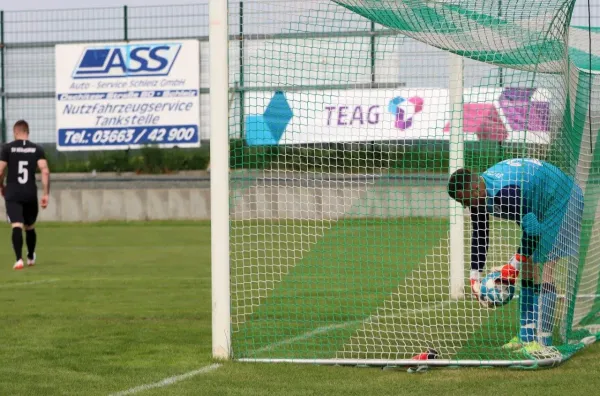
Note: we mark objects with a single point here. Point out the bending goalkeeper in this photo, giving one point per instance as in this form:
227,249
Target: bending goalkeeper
548,206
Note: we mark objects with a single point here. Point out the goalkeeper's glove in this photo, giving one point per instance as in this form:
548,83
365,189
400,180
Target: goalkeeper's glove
476,292
531,225
511,270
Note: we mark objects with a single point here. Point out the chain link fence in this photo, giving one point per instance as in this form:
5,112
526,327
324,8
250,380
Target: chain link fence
27,41
28,61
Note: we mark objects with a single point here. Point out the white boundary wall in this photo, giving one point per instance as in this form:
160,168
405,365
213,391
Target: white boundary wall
135,198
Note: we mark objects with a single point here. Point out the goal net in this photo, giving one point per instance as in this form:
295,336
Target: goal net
346,119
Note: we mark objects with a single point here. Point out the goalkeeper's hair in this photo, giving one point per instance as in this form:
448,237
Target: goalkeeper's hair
460,179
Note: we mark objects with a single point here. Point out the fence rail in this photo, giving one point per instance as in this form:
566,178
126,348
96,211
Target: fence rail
27,59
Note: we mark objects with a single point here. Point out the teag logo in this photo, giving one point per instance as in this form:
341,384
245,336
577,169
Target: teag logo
133,60
405,110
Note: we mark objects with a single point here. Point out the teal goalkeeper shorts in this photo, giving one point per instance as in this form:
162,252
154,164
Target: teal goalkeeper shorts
564,239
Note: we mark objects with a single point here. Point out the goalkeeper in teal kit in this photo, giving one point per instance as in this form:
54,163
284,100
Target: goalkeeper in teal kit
548,206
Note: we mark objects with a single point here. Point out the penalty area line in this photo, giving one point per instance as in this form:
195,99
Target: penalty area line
307,335
343,325
168,381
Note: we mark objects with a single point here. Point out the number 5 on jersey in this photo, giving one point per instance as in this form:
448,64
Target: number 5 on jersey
23,172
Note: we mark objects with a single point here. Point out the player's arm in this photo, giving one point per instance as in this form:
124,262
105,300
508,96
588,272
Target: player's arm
532,230
42,164
3,164
529,244
480,239
2,174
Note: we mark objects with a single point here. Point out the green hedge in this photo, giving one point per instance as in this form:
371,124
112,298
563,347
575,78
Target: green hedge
151,160
335,158
364,158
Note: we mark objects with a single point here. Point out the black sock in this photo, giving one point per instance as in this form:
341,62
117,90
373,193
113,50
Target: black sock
17,242
30,239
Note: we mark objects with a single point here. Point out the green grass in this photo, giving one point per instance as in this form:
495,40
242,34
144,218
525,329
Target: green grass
351,267
395,270
123,305
112,306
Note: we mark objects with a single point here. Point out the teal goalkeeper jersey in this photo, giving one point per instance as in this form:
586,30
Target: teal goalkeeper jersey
545,189
532,193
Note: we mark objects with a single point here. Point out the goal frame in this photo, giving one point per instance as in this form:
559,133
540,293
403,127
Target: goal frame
220,210
219,178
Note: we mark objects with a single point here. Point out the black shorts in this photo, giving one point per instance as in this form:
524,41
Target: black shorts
22,212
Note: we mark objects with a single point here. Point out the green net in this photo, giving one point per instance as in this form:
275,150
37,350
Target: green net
344,130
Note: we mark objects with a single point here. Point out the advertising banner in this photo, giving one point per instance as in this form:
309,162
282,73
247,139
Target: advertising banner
506,115
126,95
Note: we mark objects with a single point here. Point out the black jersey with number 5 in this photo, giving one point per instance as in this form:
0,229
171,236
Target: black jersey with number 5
22,157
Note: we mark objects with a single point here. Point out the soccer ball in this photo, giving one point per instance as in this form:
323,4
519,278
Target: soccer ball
496,290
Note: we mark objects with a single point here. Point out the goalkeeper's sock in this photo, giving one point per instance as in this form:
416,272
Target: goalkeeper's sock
547,304
529,310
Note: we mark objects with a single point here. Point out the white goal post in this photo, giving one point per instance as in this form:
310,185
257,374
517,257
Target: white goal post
457,149
219,178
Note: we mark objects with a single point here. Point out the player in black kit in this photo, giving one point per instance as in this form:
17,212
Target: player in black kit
22,157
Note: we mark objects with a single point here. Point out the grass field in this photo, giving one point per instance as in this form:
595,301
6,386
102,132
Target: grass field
114,306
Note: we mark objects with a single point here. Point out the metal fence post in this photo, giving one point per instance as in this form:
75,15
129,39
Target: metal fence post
125,24
2,81
373,53
500,70
241,54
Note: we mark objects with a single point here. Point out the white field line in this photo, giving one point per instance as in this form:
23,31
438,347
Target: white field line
9,285
427,308
307,335
326,329
168,381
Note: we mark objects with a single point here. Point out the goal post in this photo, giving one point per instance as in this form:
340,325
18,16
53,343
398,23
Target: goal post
457,151
219,178
335,126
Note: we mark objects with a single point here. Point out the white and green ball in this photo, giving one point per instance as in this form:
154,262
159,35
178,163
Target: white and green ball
496,290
